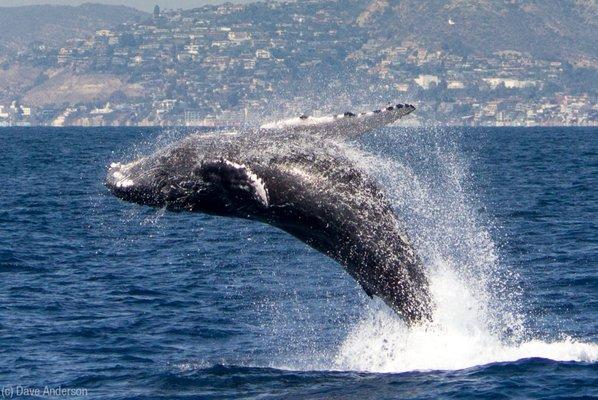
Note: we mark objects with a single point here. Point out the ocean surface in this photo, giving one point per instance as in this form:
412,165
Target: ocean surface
112,300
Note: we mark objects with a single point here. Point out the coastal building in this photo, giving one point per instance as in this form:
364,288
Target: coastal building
509,83
425,81
3,114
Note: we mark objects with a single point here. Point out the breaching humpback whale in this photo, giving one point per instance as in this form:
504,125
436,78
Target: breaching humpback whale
292,174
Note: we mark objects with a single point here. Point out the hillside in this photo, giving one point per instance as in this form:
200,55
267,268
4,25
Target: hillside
53,25
71,89
548,29
484,62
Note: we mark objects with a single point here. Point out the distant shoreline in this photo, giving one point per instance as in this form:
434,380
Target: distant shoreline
227,127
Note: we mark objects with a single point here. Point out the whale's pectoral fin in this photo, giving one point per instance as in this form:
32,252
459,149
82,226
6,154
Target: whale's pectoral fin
235,180
347,125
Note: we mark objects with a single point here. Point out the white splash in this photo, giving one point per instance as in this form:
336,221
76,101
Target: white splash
459,338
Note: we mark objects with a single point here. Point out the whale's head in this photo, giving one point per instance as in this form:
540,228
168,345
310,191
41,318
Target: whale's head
182,177
167,178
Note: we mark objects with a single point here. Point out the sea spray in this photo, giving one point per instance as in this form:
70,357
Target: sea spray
478,318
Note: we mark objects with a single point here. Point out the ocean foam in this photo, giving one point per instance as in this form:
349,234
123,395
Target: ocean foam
459,338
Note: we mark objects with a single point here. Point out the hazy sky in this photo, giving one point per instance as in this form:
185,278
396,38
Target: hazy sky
146,5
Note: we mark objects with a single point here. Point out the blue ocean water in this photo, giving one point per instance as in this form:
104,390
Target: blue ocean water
127,302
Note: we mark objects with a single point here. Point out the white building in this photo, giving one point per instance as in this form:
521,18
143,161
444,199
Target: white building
509,83
425,81
402,87
262,53
102,111
238,36
454,85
